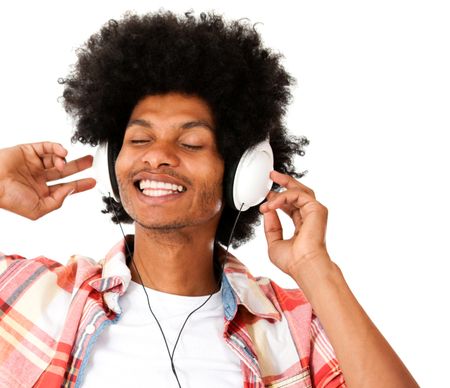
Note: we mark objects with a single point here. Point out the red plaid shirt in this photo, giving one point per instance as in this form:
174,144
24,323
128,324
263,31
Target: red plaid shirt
51,314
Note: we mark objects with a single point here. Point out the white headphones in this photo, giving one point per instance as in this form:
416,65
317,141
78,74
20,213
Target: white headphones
104,173
250,182
246,185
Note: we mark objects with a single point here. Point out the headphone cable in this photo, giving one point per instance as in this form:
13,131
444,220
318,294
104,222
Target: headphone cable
171,355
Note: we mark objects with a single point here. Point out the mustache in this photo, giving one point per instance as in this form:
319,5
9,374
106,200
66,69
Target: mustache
166,171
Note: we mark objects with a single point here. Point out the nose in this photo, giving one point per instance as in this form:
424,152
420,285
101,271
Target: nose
161,153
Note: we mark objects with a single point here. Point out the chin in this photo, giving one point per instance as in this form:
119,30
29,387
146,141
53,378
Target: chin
161,227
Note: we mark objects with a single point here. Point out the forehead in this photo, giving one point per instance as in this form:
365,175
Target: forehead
174,106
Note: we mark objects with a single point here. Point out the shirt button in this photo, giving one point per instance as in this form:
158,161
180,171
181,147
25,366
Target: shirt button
90,329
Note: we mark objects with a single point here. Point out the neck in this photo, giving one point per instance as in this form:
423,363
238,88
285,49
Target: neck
176,261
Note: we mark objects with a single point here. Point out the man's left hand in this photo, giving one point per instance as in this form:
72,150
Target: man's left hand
310,220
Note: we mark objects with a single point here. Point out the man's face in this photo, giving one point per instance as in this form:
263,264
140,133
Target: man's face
169,169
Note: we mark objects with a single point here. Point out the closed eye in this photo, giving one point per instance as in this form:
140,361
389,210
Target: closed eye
139,141
192,147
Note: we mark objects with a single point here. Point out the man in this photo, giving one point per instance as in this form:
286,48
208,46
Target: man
181,99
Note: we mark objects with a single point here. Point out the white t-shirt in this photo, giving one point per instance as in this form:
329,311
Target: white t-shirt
132,352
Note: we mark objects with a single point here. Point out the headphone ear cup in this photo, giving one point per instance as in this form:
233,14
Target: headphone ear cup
104,166
250,178
113,153
229,183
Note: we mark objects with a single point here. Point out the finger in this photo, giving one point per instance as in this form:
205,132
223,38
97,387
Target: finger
271,195
49,148
58,193
59,163
289,198
56,198
77,186
309,214
289,182
289,210
315,223
272,227
296,204
50,161
70,168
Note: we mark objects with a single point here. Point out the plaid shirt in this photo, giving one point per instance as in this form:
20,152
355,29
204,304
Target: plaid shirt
51,315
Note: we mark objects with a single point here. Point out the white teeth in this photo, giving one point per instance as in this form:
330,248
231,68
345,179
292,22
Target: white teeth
158,187
156,193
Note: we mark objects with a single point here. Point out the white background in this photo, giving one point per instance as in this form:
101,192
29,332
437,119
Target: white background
373,97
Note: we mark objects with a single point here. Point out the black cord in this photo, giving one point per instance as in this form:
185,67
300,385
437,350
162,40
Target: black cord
171,355
229,242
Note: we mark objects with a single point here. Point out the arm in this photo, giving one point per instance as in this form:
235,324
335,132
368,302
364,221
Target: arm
365,357
26,170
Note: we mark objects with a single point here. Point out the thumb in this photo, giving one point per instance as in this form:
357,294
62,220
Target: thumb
272,227
61,193
58,194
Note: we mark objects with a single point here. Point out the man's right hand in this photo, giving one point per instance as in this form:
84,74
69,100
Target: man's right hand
25,171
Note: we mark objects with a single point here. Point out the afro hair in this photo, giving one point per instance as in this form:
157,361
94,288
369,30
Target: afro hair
222,62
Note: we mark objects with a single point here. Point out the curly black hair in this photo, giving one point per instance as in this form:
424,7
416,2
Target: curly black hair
222,62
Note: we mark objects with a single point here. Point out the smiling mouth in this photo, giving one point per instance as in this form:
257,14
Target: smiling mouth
152,188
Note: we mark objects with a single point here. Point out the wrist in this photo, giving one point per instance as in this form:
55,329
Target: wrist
309,264
315,274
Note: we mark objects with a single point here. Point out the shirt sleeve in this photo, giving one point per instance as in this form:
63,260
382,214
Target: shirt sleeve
6,260
325,370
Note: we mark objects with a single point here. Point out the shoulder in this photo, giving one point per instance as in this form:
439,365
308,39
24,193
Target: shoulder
17,270
20,268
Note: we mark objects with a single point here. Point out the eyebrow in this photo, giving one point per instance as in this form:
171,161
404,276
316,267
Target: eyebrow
186,125
140,122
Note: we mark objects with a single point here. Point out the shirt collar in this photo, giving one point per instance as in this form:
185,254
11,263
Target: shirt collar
239,287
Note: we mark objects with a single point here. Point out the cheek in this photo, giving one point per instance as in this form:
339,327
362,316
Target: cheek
210,201
213,172
212,182
122,171
122,166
